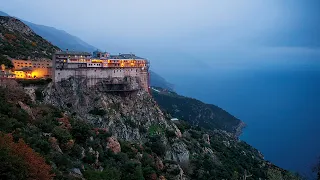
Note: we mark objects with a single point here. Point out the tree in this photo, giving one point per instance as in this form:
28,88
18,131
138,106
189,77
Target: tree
316,169
36,167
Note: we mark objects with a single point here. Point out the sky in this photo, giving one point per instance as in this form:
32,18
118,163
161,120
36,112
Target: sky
195,34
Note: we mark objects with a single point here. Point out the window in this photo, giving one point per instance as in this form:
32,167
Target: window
58,73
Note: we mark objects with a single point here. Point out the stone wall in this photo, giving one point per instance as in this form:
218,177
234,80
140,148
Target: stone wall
94,75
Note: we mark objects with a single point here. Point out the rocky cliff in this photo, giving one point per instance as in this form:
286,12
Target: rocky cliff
126,115
92,134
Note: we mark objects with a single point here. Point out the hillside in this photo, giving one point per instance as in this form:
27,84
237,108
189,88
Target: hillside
72,132
58,37
158,81
61,38
196,112
18,41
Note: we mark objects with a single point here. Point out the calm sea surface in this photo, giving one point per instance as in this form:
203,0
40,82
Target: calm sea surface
281,108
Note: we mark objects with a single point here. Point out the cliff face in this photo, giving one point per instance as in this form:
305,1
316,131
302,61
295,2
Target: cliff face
127,115
87,133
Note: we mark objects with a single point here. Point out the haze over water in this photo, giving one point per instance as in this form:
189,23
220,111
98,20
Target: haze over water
280,106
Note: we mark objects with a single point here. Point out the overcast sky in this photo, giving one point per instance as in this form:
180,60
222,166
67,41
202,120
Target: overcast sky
195,33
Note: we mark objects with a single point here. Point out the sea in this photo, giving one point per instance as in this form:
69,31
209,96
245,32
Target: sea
279,104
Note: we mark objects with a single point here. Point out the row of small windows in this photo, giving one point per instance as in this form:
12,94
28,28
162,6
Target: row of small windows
114,71
94,64
30,63
31,66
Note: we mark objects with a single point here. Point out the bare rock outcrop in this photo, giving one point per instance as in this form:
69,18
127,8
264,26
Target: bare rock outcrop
178,152
113,145
127,115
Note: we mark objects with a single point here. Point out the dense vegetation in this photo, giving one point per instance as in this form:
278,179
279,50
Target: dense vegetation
195,112
65,145
18,41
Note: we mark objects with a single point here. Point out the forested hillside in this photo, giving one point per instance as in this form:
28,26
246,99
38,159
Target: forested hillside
18,41
196,112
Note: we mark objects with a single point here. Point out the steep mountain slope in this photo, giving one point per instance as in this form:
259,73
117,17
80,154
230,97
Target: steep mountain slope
158,81
58,37
3,14
97,135
196,112
61,38
18,41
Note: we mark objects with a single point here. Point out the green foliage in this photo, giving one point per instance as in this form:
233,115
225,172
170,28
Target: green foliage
229,158
12,167
61,160
132,171
274,174
81,131
4,60
194,111
19,45
156,145
39,95
61,134
155,130
98,112
183,125
170,134
110,173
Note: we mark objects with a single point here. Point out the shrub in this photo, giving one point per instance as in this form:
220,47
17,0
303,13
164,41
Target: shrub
39,95
76,151
98,112
132,171
170,134
35,164
81,131
12,167
158,147
110,173
62,135
61,160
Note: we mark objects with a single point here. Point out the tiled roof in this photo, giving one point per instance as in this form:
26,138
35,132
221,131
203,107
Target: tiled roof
73,53
125,56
